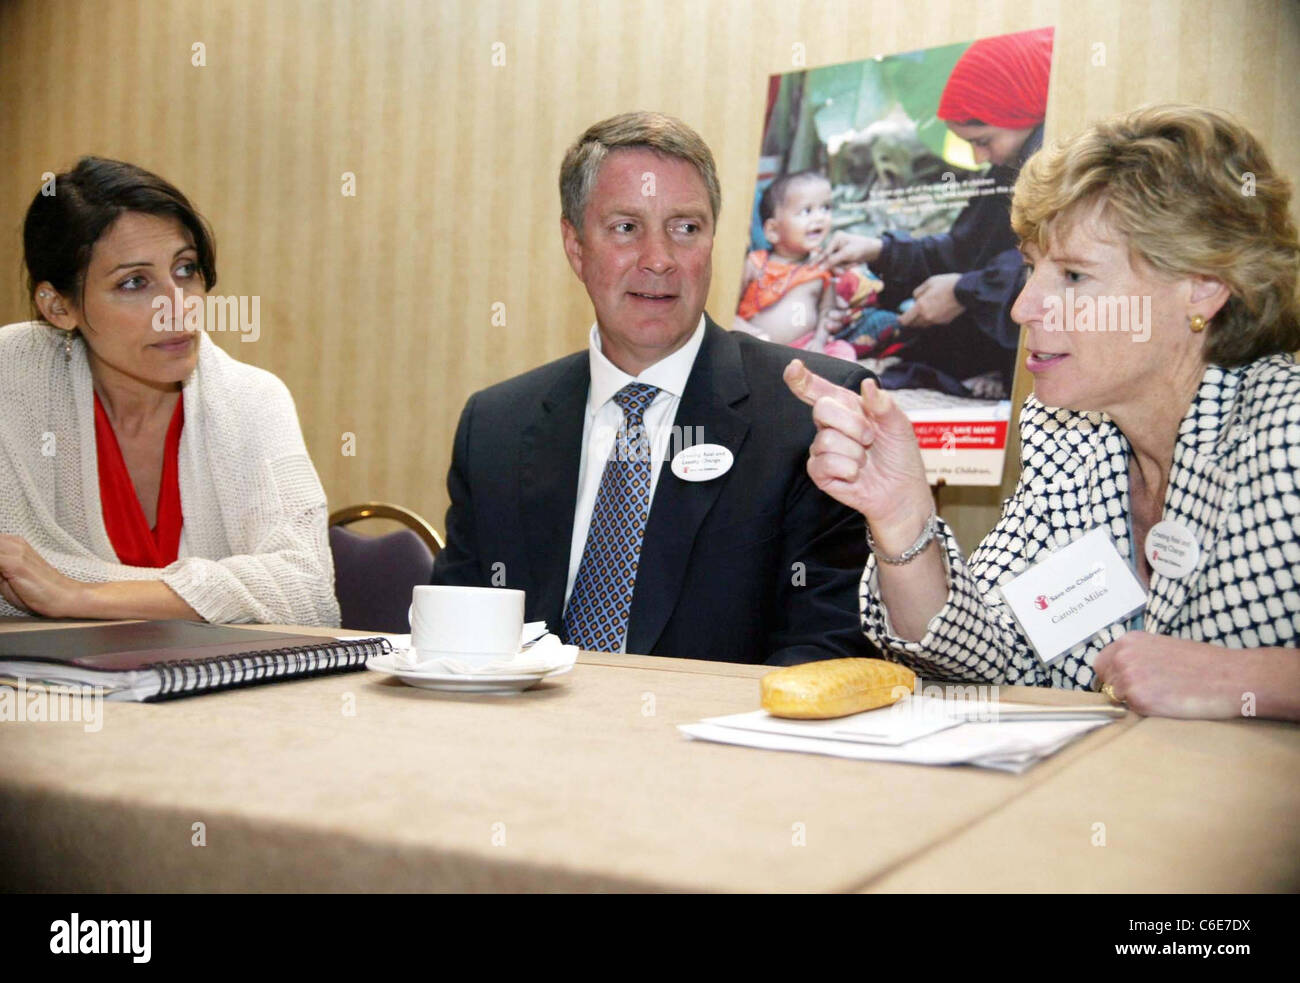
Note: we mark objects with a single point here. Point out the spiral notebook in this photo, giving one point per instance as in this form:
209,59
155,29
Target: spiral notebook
163,660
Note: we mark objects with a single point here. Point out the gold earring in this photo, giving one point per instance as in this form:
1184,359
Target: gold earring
1198,323
67,348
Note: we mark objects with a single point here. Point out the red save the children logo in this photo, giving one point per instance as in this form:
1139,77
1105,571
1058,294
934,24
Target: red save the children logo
1040,602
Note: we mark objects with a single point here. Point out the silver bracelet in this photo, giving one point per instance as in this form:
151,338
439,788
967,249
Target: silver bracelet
912,552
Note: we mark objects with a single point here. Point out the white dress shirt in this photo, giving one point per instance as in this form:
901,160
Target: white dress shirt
604,417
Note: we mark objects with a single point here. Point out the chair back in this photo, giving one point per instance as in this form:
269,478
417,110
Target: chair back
374,575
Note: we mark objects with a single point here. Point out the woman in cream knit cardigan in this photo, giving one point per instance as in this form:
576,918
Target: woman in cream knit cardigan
253,543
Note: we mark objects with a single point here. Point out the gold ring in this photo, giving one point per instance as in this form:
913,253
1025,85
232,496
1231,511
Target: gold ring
1109,690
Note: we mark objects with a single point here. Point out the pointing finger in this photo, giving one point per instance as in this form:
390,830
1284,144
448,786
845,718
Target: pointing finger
810,387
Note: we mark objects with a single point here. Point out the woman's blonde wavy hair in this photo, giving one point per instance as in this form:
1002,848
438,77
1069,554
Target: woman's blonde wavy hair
1193,193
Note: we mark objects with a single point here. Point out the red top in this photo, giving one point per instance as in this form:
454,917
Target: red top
134,542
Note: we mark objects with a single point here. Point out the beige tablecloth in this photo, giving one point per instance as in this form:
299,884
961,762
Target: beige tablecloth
360,783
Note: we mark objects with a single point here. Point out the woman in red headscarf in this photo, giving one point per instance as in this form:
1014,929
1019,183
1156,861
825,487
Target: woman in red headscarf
996,99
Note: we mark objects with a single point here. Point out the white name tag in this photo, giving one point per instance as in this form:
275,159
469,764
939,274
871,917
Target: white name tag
702,462
1073,594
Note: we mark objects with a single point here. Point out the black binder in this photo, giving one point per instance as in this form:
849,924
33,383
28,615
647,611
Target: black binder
163,660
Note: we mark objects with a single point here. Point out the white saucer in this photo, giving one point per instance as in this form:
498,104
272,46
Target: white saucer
460,682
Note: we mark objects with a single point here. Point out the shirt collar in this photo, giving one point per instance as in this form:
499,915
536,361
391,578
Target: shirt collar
668,374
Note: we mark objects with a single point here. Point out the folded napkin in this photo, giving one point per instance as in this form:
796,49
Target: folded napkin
536,654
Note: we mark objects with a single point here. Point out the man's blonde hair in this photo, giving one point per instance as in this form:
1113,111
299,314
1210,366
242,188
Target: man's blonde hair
652,131
1193,193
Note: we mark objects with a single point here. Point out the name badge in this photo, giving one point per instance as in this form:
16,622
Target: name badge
702,462
1171,549
1073,594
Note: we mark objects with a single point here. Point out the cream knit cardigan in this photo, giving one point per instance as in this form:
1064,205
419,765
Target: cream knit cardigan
254,545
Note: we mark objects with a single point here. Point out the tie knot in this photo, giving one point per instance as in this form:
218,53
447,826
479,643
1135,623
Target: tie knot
635,397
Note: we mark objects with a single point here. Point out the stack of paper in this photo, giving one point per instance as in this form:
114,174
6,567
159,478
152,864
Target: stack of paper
917,730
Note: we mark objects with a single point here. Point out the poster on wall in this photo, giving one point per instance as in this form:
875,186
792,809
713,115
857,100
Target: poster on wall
881,231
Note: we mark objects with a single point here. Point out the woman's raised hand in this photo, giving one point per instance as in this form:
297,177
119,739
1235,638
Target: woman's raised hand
865,455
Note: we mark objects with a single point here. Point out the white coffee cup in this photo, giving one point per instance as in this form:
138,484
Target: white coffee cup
470,624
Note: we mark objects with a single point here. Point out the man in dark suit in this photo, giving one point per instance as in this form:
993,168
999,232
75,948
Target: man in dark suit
599,483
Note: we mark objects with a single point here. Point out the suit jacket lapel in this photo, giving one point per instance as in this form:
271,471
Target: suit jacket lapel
1067,505
551,454
715,385
1200,487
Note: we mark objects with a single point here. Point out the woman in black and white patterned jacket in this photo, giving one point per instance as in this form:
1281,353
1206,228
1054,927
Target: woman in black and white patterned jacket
1179,404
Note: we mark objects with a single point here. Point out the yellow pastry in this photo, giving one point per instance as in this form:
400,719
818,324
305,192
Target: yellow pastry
835,687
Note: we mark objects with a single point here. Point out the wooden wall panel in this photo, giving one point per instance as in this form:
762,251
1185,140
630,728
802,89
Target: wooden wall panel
376,309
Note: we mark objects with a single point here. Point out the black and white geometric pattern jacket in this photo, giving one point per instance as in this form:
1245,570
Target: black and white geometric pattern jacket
1233,484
